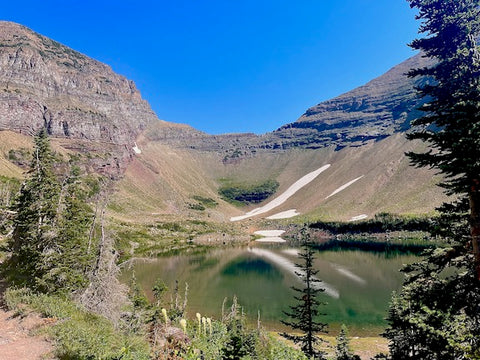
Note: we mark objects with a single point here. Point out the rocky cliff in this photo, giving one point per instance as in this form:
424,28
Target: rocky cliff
44,83
374,111
382,107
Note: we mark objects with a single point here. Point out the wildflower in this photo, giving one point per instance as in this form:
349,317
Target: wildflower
164,312
183,324
204,322
209,322
199,318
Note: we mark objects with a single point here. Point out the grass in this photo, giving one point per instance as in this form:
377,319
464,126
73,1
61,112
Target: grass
78,334
205,201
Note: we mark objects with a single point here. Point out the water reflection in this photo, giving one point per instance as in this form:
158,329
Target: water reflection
358,284
290,267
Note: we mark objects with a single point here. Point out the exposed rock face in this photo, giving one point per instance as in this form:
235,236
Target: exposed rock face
383,106
44,83
380,108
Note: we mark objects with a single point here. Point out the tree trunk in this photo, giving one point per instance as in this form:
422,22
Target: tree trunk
475,223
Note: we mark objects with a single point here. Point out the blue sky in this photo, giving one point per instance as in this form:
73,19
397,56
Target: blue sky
226,66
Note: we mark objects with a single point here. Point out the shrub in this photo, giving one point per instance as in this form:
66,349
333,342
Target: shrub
77,333
248,194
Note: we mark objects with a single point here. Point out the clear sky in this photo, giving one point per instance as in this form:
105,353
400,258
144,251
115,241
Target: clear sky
226,66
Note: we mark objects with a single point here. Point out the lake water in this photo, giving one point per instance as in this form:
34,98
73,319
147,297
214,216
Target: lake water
358,284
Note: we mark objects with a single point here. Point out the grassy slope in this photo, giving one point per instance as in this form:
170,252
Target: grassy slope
162,181
10,140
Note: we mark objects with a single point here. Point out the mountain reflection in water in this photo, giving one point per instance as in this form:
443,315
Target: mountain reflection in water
358,284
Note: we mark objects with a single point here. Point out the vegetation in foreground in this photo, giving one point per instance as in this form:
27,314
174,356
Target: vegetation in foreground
303,316
61,262
437,313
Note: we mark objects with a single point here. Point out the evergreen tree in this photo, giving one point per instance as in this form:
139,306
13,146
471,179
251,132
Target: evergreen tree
342,348
451,124
36,216
67,267
303,316
50,240
437,313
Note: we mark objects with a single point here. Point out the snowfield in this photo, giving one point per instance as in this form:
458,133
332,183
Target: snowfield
343,187
268,233
284,196
284,215
358,217
270,236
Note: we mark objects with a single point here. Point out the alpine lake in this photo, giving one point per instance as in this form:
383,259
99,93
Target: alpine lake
358,284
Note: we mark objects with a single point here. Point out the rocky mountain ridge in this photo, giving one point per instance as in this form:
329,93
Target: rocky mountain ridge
382,107
92,111
44,83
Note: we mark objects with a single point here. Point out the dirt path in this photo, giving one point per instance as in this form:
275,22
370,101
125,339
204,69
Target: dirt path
17,339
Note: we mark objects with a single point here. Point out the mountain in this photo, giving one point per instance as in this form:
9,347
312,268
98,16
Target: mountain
44,83
380,108
165,170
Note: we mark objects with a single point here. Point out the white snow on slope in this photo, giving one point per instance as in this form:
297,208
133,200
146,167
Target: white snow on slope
284,215
358,217
136,149
284,196
290,267
268,233
343,187
270,236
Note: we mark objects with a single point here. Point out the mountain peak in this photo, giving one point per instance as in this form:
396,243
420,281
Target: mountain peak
45,83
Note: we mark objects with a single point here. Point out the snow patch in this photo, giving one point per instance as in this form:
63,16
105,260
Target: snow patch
136,149
284,196
270,236
284,215
358,217
343,187
269,232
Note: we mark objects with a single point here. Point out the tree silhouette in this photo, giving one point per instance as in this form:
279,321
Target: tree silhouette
303,316
437,313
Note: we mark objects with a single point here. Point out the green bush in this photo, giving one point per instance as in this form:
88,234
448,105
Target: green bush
382,222
248,194
77,333
207,202
198,207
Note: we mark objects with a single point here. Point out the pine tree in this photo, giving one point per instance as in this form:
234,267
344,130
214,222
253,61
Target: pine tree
437,313
49,244
67,267
451,125
303,316
342,348
36,217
